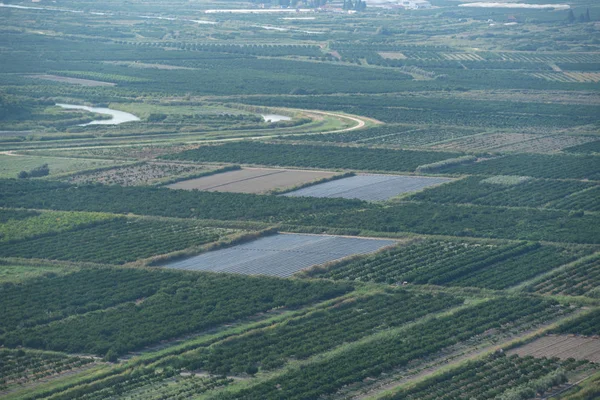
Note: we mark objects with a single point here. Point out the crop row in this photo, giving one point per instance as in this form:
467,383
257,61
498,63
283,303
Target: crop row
312,156
144,383
319,331
387,353
394,135
351,215
579,279
20,367
586,200
461,220
476,190
585,148
19,225
587,325
492,377
557,166
452,263
180,303
163,201
117,241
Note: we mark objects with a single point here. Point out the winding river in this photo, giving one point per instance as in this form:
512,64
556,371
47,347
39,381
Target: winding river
118,117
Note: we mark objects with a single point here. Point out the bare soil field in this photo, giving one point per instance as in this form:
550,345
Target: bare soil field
73,81
138,174
252,180
563,347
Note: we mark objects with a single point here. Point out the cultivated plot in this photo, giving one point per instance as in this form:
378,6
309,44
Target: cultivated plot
252,180
369,187
280,255
563,347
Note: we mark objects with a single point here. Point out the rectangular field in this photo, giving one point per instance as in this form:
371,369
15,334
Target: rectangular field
252,180
563,347
369,187
280,255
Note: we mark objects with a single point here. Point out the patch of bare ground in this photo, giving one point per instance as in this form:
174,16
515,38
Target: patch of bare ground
563,347
252,180
73,81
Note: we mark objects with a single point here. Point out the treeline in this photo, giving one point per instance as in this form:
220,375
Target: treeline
476,190
115,241
136,308
554,166
312,156
473,221
165,202
389,352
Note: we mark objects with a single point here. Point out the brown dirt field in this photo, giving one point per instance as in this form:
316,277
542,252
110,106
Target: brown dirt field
74,81
252,180
563,347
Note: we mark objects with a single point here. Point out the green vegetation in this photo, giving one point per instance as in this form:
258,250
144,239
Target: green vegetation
504,100
587,324
525,193
389,352
311,156
137,308
473,221
536,165
19,225
22,367
164,202
302,337
115,241
581,278
505,378
452,263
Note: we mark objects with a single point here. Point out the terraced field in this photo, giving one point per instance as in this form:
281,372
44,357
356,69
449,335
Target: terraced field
280,255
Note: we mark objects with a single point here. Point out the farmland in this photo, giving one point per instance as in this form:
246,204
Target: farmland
280,255
528,193
312,156
563,347
317,200
121,235
137,174
531,375
581,278
368,187
452,263
252,180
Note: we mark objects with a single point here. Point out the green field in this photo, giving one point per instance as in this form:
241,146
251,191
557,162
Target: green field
488,288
